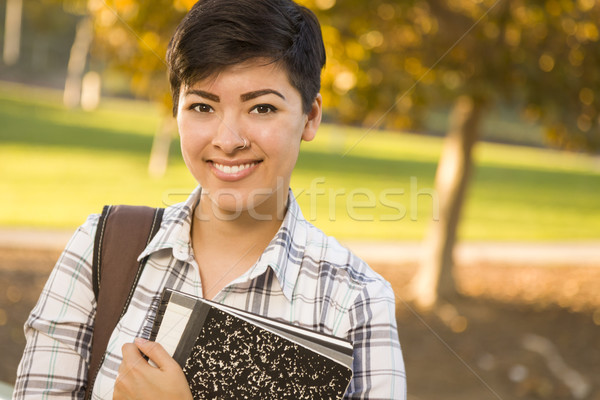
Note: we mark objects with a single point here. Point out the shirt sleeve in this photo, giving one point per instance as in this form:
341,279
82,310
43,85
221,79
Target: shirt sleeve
378,370
59,329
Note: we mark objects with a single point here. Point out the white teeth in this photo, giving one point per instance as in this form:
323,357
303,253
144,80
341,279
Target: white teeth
232,169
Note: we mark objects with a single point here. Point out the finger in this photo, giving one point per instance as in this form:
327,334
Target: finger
132,358
155,352
128,370
130,352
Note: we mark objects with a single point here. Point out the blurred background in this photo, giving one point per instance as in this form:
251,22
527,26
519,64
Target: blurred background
459,156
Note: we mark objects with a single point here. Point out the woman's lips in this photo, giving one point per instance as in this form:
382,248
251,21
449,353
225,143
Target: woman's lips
232,171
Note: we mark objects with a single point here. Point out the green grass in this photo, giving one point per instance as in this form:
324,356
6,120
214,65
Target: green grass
57,166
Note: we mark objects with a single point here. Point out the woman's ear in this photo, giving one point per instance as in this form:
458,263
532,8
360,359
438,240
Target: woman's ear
313,119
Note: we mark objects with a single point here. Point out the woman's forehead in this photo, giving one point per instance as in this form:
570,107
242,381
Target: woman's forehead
258,71
262,63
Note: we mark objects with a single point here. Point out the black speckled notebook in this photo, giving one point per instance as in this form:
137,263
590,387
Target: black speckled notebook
227,353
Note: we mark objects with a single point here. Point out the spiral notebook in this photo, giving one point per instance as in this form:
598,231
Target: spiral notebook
228,353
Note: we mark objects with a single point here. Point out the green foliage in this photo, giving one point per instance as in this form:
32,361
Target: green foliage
58,166
391,61
404,57
132,37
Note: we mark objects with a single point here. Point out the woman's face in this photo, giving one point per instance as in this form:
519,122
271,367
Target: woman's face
240,136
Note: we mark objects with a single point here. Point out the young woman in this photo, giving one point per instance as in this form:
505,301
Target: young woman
245,78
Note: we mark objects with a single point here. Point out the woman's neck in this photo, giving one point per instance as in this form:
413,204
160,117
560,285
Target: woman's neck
241,232
227,246
253,226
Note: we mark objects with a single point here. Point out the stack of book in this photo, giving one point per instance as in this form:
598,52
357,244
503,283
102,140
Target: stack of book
227,353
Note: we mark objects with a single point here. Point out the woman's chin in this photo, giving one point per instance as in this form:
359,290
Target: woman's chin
256,207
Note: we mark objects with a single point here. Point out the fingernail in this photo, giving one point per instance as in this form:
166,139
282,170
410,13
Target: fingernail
140,340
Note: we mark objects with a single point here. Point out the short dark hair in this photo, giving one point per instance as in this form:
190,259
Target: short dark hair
218,33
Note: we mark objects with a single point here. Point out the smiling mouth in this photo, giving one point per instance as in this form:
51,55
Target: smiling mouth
233,169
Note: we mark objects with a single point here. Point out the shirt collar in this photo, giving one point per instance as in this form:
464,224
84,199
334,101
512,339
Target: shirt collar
174,232
285,252
283,255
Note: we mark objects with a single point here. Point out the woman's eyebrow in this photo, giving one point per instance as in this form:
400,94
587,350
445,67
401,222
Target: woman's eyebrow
202,93
258,93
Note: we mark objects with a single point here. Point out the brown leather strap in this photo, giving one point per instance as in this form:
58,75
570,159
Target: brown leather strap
122,234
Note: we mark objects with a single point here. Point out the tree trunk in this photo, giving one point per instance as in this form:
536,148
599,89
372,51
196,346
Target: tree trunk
434,280
159,155
91,90
77,61
12,31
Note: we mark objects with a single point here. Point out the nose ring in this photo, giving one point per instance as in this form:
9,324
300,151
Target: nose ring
245,144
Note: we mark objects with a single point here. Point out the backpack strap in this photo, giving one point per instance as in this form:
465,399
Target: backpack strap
123,232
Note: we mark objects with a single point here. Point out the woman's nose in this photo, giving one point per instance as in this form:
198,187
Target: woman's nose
229,136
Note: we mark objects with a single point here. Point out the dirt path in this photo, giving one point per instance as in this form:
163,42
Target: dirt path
481,347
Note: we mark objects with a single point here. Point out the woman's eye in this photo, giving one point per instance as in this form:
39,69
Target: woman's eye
201,108
263,109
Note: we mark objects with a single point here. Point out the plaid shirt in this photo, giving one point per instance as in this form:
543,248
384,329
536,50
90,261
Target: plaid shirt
303,277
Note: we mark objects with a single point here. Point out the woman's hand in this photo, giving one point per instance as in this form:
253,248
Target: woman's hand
137,379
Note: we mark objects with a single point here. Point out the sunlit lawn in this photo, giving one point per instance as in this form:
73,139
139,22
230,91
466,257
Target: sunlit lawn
57,166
